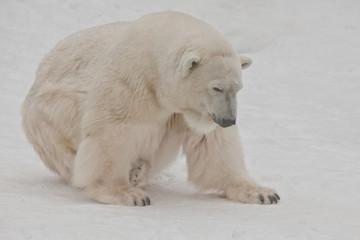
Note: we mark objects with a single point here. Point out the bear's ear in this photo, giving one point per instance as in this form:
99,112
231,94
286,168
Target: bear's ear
245,61
188,63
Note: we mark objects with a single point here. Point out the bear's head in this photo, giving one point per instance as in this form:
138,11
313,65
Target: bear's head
207,87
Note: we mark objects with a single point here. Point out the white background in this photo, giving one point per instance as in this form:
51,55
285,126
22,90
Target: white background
298,116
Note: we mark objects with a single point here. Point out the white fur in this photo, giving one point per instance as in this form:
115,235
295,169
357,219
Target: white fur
112,105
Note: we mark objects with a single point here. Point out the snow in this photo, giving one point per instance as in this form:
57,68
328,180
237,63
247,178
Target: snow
299,119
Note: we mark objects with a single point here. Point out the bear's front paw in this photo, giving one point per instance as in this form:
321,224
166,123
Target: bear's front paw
128,196
249,193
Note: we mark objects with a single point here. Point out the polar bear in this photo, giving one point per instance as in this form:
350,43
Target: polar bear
113,105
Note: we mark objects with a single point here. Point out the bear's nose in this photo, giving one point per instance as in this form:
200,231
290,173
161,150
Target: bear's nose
224,122
227,122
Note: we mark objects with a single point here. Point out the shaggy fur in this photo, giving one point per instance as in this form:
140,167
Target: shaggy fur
113,105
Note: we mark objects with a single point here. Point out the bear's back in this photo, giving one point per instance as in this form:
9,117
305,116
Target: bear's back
71,59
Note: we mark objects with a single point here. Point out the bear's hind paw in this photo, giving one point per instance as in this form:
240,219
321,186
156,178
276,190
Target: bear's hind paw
136,175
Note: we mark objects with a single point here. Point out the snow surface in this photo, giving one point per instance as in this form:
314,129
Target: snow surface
299,118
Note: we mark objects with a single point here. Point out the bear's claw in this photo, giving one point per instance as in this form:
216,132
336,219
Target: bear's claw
142,202
277,196
261,198
272,199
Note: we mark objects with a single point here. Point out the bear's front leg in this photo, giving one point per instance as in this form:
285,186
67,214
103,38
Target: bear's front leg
102,165
215,162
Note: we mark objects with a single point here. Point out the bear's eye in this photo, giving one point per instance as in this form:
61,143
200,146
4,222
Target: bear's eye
217,89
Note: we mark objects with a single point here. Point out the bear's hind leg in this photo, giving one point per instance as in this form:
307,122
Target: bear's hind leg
55,150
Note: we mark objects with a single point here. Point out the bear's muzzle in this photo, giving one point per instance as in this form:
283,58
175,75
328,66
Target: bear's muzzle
223,122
